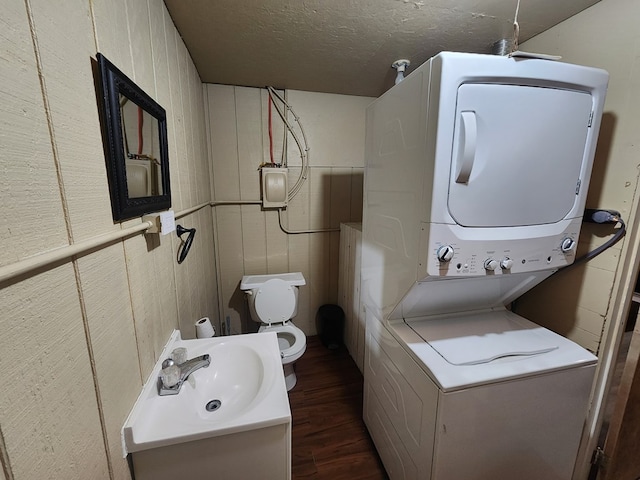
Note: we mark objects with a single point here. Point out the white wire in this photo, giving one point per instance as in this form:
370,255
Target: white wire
516,29
304,149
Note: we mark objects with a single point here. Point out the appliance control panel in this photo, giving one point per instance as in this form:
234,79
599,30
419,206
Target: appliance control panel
445,254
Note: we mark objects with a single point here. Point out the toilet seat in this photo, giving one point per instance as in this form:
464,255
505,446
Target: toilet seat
275,301
299,344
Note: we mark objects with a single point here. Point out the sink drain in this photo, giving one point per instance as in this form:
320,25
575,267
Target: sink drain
213,405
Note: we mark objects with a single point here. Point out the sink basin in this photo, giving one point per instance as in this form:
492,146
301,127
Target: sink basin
242,389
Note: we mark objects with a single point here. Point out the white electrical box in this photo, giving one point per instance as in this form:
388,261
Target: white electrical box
275,187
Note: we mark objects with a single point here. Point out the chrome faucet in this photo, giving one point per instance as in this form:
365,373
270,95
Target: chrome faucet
185,369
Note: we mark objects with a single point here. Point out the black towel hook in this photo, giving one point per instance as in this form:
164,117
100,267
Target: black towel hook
186,244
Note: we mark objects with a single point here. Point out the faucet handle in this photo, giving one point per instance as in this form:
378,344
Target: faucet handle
179,355
170,376
167,362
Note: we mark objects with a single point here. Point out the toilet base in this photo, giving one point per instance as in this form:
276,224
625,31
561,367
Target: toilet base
290,378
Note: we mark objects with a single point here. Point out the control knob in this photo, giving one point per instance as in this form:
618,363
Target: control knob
506,263
445,253
490,264
568,245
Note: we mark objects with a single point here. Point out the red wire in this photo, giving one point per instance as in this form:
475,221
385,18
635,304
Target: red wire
140,124
270,133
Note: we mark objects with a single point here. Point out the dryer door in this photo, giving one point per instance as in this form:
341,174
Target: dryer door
518,153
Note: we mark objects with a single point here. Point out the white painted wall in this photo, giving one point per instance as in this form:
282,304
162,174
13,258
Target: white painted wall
249,240
80,338
577,303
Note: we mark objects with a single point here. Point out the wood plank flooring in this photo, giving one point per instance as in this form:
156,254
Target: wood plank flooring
329,439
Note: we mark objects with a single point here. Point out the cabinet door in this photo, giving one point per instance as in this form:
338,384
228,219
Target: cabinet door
517,155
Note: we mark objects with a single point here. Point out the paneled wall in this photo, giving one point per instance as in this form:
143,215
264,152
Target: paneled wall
577,303
80,337
249,239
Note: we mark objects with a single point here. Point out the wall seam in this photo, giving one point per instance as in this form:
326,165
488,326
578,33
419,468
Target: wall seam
93,25
235,107
131,56
264,153
47,112
92,364
133,315
157,269
171,111
67,221
124,248
207,99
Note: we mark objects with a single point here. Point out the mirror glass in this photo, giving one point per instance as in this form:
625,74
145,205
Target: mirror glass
135,131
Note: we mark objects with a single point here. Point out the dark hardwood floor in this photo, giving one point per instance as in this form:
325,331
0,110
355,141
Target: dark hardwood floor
329,439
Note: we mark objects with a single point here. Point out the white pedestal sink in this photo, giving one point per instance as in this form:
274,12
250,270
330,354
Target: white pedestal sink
230,420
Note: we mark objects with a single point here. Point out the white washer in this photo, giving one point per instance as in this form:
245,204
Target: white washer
509,397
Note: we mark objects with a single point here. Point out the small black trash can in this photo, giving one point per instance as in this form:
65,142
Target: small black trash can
330,326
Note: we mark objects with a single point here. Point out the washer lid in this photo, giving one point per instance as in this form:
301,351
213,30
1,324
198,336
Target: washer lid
484,337
275,301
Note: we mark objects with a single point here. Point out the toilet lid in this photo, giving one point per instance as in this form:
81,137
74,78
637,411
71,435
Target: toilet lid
275,301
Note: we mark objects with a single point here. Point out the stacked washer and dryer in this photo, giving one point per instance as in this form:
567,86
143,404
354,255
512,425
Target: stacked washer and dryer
477,169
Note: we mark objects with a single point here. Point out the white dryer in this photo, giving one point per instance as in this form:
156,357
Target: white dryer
476,175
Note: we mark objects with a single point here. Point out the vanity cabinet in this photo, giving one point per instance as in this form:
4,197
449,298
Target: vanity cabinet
261,453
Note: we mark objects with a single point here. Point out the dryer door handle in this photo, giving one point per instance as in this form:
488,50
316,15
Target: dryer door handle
467,140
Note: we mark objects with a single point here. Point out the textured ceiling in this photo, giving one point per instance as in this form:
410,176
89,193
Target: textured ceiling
345,46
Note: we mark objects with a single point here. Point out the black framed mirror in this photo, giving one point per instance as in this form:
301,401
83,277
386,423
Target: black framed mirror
135,130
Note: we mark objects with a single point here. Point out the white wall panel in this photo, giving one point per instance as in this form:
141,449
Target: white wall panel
298,218
196,293
159,60
578,303
238,123
277,244
335,127
221,111
186,162
145,300
140,45
203,188
172,107
248,113
48,409
179,173
79,150
28,186
113,341
231,265
111,30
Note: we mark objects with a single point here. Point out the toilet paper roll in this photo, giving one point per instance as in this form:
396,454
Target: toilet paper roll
204,329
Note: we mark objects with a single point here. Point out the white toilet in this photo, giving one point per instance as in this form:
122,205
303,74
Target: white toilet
273,302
